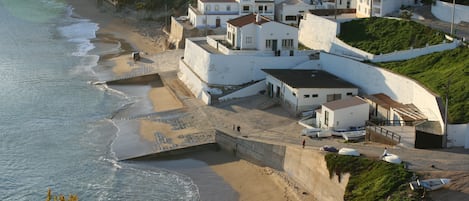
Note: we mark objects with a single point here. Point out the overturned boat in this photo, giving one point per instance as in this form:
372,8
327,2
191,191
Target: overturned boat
429,184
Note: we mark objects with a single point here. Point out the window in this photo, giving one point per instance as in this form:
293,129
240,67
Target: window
268,44
287,43
314,95
293,93
333,97
228,8
245,9
349,94
290,18
340,2
207,8
306,96
248,39
326,118
217,7
261,8
229,35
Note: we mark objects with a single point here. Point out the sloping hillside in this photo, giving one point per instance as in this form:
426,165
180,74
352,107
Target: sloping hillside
381,35
434,71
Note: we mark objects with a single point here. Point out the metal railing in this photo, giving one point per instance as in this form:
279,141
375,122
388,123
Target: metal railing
385,132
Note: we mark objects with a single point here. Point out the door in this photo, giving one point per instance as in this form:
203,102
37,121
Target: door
217,22
274,45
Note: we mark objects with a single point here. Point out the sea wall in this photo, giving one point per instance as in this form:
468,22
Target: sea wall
305,166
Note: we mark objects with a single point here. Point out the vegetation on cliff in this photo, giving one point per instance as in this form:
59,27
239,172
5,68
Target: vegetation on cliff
434,71
381,35
371,179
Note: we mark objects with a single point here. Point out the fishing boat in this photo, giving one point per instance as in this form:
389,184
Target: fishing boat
429,184
354,135
348,152
392,158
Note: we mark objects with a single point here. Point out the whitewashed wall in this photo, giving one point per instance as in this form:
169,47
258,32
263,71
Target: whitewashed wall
292,10
317,33
443,11
233,69
193,83
347,117
245,92
198,20
458,135
275,30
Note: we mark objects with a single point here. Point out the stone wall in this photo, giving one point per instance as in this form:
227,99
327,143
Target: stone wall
305,166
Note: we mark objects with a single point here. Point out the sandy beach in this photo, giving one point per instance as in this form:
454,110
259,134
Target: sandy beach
251,182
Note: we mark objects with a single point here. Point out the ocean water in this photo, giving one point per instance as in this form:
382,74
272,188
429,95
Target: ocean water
54,131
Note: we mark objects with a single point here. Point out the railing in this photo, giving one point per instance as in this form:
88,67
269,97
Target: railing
385,132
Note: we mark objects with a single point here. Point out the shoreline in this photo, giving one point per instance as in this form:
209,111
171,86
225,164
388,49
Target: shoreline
261,183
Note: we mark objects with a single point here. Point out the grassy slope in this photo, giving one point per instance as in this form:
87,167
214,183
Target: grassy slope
381,35
370,179
434,70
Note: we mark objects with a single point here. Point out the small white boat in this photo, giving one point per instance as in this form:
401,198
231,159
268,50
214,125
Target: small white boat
348,152
322,134
429,184
338,132
312,132
392,158
354,135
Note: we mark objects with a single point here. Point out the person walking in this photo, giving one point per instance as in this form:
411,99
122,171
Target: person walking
304,142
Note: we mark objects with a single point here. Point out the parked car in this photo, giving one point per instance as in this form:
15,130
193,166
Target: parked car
311,132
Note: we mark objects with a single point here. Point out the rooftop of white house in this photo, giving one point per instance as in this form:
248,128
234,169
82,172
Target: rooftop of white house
308,78
344,103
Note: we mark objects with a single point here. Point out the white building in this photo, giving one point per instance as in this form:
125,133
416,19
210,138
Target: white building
301,90
343,114
291,11
386,109
256,32
381,8
252,42
215,13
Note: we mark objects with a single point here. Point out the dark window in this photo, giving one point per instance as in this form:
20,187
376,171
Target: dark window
314,95
306,96
290,18
293,94
246,8
349,94
326,118
261,8
333,97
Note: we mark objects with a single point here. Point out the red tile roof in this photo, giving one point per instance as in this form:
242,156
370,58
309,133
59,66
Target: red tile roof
247,19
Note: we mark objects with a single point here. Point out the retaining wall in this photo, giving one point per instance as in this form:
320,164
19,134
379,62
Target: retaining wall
305,166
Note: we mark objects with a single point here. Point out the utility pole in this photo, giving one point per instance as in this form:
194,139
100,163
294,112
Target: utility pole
452,18
445,136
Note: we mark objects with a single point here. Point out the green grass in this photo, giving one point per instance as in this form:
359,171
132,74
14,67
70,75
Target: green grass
381,35
434,71
371,179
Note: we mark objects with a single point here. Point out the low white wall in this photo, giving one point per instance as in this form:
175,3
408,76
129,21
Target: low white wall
245,92
413,53
373,80
444,11
342,48
458,135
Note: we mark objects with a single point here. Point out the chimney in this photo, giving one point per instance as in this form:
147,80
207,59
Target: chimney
258,18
